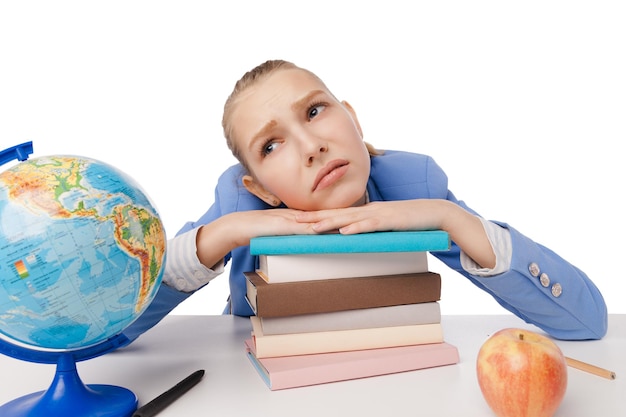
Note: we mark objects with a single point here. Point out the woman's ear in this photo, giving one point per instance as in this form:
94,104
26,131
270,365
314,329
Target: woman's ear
353,114
258,190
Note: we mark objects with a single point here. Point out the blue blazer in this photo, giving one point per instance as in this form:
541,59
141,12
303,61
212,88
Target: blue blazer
528,289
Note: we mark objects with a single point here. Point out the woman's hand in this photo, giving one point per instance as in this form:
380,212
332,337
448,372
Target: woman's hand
218,238
464,228
378,216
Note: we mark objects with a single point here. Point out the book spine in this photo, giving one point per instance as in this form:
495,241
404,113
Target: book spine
324,296
401,315
401,241
292,372
290,268
343,340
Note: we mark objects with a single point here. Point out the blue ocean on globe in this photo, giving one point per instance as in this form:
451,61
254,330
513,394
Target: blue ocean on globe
82,251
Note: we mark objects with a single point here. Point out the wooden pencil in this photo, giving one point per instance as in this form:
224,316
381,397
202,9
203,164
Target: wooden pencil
592,369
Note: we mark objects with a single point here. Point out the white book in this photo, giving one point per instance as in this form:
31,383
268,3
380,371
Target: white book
308,267
401,315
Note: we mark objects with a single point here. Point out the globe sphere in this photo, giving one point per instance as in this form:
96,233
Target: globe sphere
82,252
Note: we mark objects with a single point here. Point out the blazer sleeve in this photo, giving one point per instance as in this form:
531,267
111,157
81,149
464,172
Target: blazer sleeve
541,288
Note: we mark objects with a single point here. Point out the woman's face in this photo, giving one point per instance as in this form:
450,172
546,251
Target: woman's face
300,143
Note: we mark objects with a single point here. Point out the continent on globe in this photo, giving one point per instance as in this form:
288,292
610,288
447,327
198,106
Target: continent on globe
82,251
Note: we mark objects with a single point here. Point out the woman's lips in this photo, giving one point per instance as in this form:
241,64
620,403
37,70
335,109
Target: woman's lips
330,173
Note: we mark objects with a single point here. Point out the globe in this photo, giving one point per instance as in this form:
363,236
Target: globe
82,252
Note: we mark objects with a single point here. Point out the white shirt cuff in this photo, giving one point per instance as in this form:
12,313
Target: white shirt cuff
183,270
500,239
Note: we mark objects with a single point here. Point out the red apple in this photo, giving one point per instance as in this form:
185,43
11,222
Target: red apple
521,374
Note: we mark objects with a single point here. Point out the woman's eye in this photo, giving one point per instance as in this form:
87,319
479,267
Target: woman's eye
316,110
269,147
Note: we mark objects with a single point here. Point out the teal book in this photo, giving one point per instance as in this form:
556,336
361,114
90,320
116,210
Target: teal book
401,241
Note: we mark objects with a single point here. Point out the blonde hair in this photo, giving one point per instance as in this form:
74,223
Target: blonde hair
250,78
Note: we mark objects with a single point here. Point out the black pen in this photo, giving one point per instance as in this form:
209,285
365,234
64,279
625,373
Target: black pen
157,405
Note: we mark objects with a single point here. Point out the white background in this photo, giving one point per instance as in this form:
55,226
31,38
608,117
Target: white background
522,103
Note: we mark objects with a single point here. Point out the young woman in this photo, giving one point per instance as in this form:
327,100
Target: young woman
305,168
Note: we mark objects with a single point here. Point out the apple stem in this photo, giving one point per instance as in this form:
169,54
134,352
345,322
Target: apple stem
521,336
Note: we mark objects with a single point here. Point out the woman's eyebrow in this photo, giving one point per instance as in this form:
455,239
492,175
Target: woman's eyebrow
295,106
262,133
304,101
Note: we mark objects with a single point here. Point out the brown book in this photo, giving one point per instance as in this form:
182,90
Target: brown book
328,295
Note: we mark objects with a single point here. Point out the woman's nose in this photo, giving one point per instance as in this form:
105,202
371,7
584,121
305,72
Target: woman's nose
312,145
315,152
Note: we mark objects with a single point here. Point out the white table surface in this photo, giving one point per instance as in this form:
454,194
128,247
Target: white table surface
180,345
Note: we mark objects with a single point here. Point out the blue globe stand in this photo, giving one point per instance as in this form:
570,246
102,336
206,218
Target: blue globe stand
68,396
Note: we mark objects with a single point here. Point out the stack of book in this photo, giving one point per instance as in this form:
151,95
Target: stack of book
337,307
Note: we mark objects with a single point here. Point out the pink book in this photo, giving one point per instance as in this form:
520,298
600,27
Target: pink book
298,371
